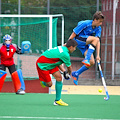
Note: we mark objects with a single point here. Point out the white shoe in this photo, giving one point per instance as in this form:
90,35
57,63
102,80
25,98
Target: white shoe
20,92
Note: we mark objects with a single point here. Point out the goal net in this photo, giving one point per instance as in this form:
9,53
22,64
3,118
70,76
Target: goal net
40,30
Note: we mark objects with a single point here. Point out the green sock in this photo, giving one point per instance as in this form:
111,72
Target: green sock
58,87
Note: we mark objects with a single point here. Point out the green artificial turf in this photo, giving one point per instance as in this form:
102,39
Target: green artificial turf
40,106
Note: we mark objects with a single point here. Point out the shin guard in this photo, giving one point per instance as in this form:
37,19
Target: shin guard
3,75
18,80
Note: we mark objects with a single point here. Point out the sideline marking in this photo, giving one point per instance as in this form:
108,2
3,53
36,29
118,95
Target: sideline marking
53,118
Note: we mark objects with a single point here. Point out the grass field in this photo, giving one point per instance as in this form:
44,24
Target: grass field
32,106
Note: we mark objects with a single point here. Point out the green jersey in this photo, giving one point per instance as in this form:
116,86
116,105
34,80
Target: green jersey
54,57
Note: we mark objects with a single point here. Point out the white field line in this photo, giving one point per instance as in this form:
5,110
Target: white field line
53,118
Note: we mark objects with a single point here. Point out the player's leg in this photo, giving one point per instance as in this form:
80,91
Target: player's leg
82,47
92,60
93,42
12,68
46,84
45,81
58,88
2,67
44,77
76,74
17,79
58,85
3,75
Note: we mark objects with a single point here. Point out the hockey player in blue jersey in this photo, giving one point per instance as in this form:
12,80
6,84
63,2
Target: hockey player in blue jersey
87,34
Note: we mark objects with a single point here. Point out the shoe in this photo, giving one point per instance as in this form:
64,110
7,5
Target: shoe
75,78
86,62
42,84
60,102
20,92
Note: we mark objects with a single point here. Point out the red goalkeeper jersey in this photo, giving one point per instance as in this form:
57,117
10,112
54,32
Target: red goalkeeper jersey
6,57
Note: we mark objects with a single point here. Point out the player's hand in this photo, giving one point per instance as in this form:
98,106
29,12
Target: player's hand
66,75
98,58
64,44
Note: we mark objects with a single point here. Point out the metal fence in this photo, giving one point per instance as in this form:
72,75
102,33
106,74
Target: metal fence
72,16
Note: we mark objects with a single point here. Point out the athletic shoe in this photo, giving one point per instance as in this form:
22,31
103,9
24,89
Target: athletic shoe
20,92
42,84
86,62
60,102
75,78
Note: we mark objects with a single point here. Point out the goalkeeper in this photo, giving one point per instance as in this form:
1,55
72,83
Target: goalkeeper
7,50
50,62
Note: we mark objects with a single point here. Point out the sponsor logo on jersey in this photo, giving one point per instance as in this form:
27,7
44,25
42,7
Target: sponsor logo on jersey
11,50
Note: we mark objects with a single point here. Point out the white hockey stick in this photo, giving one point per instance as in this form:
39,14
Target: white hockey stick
103,81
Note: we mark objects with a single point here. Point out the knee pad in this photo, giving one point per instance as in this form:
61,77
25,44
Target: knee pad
18,81
3,75
93,46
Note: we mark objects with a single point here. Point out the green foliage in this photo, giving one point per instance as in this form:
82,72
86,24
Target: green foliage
72,3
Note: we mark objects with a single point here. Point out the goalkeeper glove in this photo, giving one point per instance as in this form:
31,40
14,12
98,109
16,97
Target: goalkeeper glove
66,75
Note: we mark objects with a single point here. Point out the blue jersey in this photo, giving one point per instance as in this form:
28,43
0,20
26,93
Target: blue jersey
84,29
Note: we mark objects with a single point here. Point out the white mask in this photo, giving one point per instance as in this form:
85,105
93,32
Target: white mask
8,42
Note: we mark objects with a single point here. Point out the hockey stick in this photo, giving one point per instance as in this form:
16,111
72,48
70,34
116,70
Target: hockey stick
103,81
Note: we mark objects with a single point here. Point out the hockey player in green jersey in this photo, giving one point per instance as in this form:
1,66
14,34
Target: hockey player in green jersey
50,62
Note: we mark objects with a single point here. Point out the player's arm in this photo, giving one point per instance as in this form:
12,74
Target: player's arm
62,68
98,51
81,25
73,35
65,57
66,73
98,34
18,50
69,69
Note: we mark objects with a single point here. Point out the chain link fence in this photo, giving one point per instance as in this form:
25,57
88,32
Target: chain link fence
72,16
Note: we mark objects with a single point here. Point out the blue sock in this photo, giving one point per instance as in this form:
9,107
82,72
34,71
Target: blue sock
91,49
82,69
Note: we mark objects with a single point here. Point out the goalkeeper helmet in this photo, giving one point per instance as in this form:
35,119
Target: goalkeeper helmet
7,37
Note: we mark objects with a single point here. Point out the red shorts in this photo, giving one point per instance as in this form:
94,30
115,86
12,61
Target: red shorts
44,75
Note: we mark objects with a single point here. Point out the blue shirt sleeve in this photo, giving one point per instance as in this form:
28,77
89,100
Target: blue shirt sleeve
98,32
81,25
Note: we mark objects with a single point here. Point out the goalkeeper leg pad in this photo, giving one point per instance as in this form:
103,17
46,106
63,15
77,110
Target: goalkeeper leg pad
18,80
3,75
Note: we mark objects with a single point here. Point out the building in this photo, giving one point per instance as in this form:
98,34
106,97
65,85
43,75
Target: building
107,38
